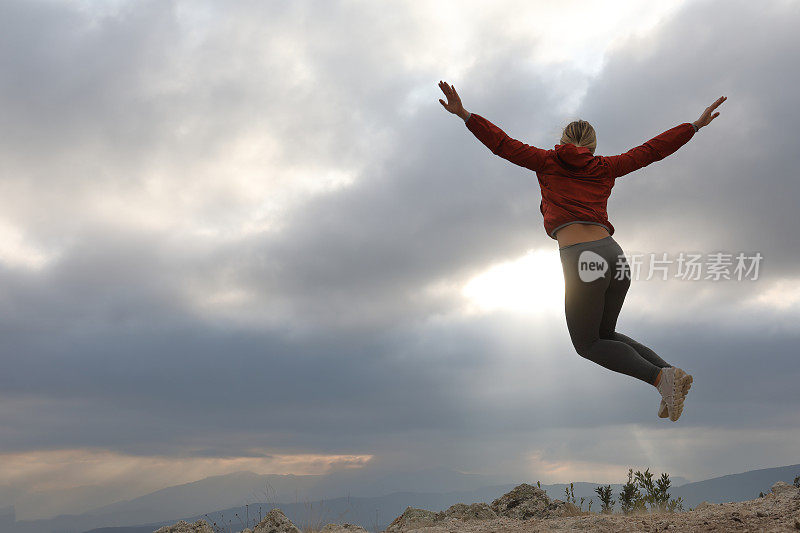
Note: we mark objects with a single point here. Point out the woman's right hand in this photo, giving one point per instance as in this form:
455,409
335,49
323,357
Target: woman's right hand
707,117
453,100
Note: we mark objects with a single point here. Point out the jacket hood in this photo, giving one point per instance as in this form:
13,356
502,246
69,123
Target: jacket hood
573,156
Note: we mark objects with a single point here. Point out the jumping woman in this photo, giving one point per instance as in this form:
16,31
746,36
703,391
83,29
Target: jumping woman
575,187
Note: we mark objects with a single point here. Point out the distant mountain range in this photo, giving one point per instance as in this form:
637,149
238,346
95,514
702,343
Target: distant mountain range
375,498
735,487
239,488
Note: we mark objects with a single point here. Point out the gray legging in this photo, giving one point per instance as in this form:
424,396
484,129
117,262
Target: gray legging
593,299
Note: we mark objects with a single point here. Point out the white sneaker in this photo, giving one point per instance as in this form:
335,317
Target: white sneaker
663,412
674,385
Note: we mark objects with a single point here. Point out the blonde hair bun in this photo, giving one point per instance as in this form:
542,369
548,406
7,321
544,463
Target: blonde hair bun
580,133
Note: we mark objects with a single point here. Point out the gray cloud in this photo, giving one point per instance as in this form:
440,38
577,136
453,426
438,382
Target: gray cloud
107,346
733,186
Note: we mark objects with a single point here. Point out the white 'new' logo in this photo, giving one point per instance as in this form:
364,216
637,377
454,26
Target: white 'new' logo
591,266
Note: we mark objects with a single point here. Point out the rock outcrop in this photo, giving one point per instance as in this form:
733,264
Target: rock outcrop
522,503
412,518
462,511
276,522
781,487
526,501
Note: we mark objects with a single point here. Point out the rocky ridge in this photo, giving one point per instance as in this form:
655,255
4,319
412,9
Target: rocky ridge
528,509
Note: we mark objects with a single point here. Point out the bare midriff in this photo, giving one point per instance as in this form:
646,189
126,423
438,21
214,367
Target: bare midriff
579,232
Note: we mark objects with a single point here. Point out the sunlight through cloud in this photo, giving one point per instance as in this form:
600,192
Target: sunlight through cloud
532,284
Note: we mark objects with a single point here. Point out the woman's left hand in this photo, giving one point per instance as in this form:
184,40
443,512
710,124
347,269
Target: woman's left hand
707,117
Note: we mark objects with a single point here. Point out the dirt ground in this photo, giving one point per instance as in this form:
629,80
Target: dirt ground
777,511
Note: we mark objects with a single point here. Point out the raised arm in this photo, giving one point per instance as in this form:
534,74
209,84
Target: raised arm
653,150
662,145
493,137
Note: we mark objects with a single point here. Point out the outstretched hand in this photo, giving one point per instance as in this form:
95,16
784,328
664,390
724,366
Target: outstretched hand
453,100
707,117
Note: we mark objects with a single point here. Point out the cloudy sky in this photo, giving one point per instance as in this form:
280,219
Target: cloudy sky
246,236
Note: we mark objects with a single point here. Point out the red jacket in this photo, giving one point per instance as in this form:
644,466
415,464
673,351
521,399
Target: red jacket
576,184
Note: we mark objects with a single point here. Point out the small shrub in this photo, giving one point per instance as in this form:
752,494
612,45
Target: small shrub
570,494
675,504
630,499
652,491
606,500
657,492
